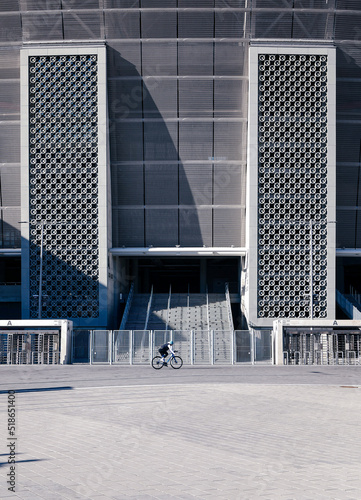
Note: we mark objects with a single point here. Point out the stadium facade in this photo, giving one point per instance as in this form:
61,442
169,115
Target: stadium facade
189,143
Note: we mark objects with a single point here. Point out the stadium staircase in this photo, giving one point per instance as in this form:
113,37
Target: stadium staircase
197,311
350,303
137,312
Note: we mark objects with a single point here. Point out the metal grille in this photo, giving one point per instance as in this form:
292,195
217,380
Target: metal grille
195,226
11,30
195,141
122,346
141,344
122,25
227,228
161,227
161,184
10,132
9,143
9,227
9,100
100,346
80,25
292,179
127,185
199,347
160,141
29,347
322,348
167,130
126,141
159,58
160,98
227,188
202,347
228,143
195,184
158,23
152,39
195,98
128,227
9,185
63,184
44,27
222,351
4,348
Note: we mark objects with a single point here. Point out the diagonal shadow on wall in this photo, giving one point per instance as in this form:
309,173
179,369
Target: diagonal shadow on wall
152,202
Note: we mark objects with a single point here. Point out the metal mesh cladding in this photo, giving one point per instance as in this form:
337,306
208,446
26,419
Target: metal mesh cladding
63,184
292,185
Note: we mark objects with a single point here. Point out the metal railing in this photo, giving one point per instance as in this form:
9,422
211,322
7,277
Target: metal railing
207,305
229,309
203,347
168,305
148,309
196,347
127,307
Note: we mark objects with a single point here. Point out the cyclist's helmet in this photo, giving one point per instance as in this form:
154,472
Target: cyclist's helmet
171,342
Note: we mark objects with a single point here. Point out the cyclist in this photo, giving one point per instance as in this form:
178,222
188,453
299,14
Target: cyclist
163,350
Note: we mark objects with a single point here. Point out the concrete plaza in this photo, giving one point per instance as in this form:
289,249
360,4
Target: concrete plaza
237,432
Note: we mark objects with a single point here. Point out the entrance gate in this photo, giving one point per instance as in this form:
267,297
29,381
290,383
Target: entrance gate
321,347
316,342
20,347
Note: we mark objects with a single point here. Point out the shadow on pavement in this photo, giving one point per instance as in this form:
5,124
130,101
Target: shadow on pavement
41,389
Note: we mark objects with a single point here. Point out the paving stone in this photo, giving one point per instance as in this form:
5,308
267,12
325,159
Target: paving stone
219,433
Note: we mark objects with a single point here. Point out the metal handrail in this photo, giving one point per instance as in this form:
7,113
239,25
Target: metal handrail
148,308
207,301
127,307
168,306
188,310
229,309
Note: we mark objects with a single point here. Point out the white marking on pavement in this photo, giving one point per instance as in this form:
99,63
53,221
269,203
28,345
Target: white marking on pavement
133,385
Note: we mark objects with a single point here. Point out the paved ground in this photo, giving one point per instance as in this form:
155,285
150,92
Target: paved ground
242,432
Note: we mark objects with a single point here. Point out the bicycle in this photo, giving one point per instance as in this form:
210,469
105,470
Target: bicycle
175,362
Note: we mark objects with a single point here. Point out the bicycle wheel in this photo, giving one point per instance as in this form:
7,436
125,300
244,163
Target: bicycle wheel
176,362
157,362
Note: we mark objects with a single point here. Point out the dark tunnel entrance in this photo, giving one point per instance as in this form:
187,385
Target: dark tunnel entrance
185,275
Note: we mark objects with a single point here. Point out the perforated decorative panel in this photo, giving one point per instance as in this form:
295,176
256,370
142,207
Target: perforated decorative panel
292,185
63,185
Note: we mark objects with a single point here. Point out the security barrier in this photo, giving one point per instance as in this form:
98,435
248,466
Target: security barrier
30,347
322,348
196,347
